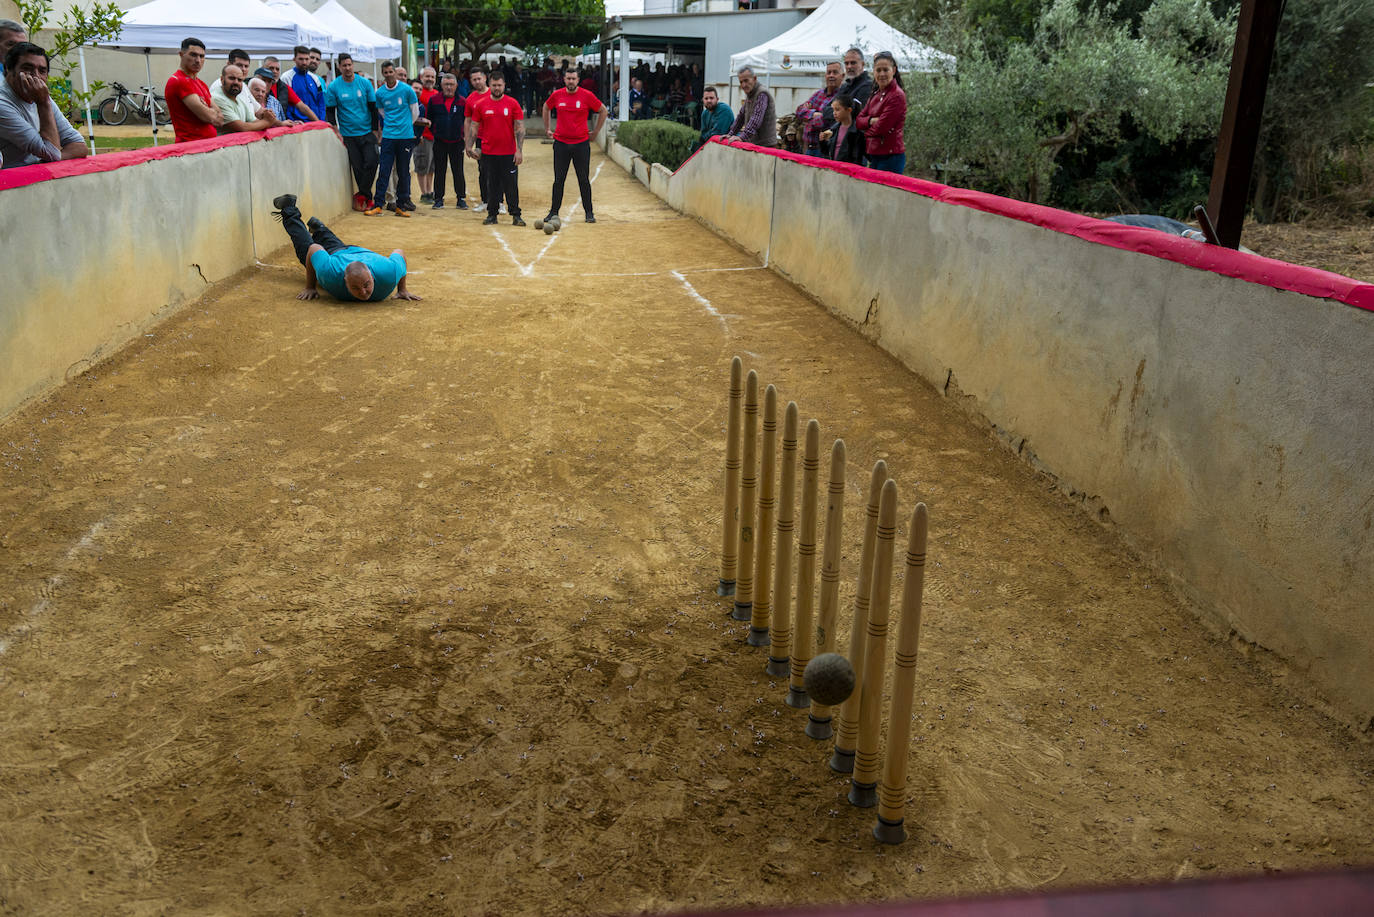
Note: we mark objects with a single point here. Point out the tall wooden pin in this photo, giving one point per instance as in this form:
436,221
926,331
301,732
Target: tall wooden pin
863,788
847,729
781,637
730,524
892,791
748,498
804,632
818,721
763,532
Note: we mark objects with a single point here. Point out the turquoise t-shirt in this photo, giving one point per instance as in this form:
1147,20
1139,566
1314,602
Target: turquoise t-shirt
395,107
350,99
329,271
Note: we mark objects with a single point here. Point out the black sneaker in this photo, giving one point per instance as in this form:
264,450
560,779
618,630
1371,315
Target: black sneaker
489,221
591,218
406,205
551,217
462,204
517,222
313,224
438,205
282,201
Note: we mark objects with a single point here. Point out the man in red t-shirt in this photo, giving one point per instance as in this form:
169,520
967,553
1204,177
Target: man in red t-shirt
194,116
477,77
572,143
501,122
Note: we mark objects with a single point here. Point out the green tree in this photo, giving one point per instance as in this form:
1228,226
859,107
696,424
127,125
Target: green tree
103,21
1004,117
476,25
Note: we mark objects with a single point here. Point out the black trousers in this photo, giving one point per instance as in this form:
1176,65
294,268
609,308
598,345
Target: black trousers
503,179
363,157
483,175
449,154
580,155
302,238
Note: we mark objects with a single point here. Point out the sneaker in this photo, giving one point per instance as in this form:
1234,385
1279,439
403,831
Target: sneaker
282,201
359,202
550,217
426,198
517,222
502,210
405,205
591,218
368,205
373,211
313,224
489,221
437,205
462,204
401,212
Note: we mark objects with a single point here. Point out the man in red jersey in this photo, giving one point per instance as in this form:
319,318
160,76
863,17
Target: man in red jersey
502,124
572,143
478,78
194,116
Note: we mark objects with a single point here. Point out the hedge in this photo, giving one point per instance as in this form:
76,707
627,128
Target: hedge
658,140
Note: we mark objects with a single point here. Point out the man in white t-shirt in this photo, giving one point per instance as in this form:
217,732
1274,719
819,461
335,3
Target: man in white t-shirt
237,105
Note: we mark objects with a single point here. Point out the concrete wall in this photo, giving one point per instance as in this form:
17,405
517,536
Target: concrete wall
1225,426
140,240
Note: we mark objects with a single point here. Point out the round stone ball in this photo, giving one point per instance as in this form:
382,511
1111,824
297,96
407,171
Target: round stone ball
829,679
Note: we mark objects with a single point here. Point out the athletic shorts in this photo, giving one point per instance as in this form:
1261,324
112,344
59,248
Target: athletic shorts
423,157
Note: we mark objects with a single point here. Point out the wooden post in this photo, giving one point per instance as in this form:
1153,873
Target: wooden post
1257,29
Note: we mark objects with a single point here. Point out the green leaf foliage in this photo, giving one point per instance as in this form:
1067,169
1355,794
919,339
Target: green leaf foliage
78,26
477,25
658,140
1002,120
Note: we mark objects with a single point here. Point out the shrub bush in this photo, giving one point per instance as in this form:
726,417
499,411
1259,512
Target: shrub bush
658,140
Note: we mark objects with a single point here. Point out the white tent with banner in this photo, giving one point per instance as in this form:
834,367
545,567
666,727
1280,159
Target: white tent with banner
327,41
369,46
824,36
160,26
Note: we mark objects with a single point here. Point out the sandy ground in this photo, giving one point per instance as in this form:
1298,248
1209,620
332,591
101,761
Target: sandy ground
408,608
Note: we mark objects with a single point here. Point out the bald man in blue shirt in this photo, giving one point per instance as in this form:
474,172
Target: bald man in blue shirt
349,273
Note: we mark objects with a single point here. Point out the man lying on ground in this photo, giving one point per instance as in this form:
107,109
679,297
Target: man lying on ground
349,273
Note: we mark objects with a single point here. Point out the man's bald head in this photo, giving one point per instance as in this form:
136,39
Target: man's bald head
359,281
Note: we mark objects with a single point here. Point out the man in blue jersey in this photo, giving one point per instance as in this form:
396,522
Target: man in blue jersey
349,273
307,87
351,105
400,110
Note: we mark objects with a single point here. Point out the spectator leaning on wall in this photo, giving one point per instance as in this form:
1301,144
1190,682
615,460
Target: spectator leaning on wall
716,117
11,34
31,128
282,91
194,115
351,105
240,58
815,115
236,105
757,122
857,85
843,142
307,87
884,117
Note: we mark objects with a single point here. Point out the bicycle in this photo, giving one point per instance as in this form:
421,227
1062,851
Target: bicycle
117,108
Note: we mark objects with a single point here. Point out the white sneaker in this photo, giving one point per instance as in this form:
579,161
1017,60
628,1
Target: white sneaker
502,209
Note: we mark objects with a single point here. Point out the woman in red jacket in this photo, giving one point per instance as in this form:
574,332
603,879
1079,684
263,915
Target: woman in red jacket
884,117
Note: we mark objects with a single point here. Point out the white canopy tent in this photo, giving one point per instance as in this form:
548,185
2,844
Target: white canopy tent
368,45
326,40
160,26
826,34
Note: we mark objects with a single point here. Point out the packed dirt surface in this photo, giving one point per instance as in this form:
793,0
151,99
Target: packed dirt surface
409,608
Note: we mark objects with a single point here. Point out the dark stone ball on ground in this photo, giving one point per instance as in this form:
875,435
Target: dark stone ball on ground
829,679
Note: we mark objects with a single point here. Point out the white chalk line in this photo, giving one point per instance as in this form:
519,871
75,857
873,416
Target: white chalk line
51,585
705,303
549,244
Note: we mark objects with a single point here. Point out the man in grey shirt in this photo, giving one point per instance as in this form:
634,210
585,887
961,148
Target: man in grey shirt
31,128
